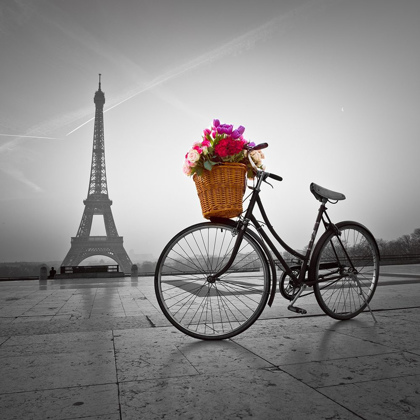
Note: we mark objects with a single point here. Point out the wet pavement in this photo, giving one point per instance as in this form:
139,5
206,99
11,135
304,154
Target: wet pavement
100,349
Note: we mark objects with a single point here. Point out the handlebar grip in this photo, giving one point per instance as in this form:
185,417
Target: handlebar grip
257,147
276,177
260,146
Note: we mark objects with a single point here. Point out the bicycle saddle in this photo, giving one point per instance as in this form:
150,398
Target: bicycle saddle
321,193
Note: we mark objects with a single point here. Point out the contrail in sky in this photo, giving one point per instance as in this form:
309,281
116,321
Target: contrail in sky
147,87
282,24
29,137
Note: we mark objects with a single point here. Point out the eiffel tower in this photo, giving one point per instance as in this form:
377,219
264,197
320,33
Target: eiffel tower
97,203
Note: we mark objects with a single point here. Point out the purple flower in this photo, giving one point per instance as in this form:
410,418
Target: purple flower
225,129
252,144
236,134
216,123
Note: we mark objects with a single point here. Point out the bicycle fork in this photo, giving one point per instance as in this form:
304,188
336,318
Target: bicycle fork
240,234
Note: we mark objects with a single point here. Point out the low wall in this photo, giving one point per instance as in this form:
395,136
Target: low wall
89,275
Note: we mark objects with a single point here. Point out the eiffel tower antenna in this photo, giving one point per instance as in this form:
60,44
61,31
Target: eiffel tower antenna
98,203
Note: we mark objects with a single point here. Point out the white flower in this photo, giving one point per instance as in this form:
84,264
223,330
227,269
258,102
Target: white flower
193,156
256,157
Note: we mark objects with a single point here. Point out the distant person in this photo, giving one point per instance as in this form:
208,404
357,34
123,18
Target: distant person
52,273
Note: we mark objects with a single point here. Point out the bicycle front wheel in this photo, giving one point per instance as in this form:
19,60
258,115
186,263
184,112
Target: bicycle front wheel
204,307
346,267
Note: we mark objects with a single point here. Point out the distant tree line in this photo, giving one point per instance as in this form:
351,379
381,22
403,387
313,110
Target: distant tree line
147,267
406,244
24,269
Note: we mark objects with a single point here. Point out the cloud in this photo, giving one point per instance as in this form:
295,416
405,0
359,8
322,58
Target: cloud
18,175
15,13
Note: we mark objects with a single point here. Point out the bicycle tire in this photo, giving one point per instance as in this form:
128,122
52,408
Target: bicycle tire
343,293
211,310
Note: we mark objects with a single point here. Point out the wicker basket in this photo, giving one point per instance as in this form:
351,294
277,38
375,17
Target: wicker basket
221,190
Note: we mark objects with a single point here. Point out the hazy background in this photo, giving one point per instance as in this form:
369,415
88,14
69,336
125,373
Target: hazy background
332,86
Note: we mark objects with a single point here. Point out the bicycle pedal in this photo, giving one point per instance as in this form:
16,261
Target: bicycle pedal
297,310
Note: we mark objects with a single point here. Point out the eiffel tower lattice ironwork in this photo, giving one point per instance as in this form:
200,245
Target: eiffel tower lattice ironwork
98,203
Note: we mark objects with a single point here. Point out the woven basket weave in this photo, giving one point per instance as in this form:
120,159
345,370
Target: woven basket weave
221,190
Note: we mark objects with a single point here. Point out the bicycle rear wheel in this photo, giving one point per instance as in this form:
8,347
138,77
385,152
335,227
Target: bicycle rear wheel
200,306
348,267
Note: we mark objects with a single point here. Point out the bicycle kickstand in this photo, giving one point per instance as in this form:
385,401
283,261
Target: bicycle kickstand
296,309
363,296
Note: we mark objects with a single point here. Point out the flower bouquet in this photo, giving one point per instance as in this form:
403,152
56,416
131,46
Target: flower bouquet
218,165
221,144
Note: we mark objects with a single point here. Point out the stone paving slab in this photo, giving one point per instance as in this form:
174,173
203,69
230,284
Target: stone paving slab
74,325
355,369
164,353
282,348
392,331
98,402
58,343
386,399
103,350
259,394
55,361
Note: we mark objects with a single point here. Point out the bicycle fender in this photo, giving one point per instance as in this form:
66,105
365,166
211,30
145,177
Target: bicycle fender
364,227
271,264
263,246
331,228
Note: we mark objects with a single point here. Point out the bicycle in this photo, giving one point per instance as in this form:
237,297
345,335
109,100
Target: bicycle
214,279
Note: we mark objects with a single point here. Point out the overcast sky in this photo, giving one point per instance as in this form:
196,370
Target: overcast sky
333,87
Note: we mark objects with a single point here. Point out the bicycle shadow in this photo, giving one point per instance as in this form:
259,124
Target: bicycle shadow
210,356
360,333
360,322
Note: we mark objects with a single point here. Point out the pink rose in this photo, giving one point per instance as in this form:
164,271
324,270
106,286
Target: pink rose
186,169
193,156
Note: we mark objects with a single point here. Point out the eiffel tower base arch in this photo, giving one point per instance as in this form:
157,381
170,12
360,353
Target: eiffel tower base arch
82,248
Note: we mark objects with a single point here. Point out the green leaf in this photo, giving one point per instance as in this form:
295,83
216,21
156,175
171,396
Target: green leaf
208,165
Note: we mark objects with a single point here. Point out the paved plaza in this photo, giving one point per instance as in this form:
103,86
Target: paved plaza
100,349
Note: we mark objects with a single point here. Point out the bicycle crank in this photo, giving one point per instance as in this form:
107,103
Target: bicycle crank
286,285
292,306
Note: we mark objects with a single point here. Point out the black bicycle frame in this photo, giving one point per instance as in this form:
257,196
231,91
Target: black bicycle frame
249,217
304,258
